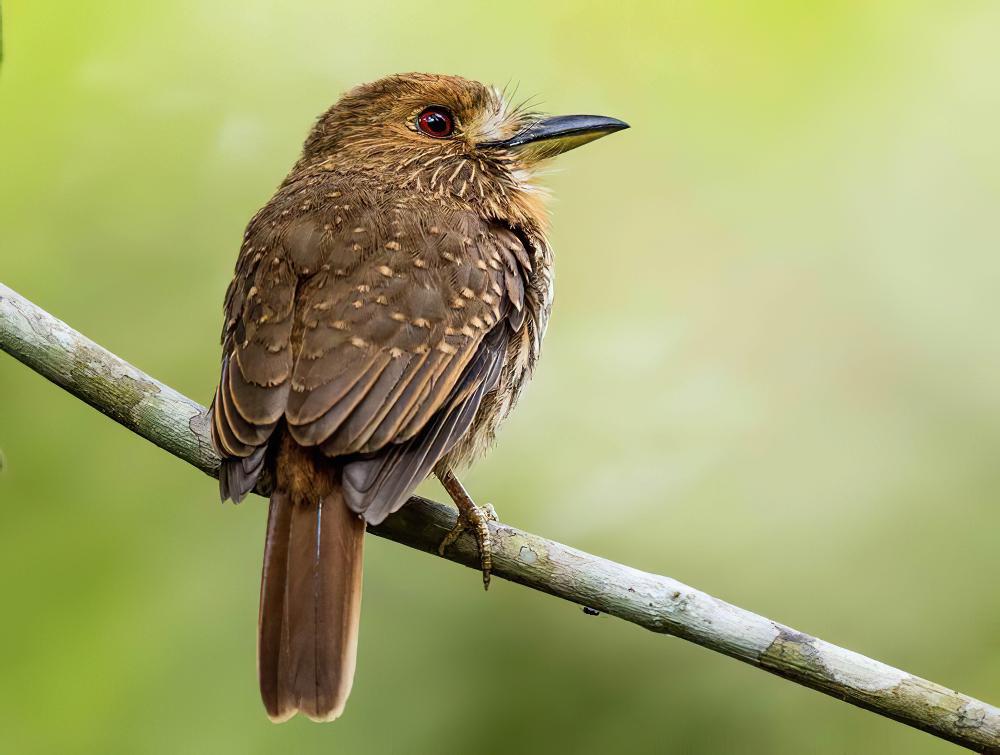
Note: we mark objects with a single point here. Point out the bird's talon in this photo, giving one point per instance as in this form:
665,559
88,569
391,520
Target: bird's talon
476,519
452,535
470,516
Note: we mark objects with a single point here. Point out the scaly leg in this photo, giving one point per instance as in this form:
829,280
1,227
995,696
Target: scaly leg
471,517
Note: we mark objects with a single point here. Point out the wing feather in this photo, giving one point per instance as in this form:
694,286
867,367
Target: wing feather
315,432
378,486
377,351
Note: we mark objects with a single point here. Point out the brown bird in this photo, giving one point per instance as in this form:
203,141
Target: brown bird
387,309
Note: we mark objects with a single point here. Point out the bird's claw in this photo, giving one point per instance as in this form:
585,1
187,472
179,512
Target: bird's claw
476,519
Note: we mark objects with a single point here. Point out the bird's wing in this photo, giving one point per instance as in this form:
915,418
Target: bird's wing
257,357
375,335
377,485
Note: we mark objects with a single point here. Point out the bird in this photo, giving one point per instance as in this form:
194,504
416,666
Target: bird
386,312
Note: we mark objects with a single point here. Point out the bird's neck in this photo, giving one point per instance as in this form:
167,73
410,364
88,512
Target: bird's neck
491,190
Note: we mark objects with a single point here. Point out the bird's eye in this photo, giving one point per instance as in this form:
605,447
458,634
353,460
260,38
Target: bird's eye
436,122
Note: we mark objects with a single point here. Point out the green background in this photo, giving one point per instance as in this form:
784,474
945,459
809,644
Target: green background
773,371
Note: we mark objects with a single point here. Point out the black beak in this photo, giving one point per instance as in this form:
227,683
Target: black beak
552,136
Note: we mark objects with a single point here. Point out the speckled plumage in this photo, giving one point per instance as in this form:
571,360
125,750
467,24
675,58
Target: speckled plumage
387,310
379,268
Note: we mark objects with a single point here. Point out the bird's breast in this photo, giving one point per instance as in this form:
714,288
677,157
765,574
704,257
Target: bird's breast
523,352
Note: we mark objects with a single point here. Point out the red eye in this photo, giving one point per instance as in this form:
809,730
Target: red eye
436,122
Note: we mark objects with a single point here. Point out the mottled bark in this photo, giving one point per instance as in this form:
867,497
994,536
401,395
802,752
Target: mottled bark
178,425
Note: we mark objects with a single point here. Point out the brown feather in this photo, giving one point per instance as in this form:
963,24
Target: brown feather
378,486
323,427
310,593
222,435
257,404
306,406
244,431
385,312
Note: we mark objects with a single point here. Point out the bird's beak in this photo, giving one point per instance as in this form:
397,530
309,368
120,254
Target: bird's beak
549,137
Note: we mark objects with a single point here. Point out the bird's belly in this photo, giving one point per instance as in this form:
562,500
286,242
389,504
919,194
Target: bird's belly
522,353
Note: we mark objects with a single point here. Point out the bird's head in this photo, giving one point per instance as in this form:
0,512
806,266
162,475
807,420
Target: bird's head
445,135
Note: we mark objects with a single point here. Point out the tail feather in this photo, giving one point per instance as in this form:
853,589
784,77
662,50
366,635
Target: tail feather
310,604
272,599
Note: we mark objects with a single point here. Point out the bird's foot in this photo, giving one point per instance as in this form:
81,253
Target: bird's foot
471,517
476,520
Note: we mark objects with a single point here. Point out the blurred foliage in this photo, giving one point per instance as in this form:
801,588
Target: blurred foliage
773,370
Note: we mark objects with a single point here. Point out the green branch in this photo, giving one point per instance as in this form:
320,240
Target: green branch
179,426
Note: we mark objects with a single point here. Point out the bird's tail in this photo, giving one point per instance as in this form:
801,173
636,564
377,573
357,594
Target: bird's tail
310,602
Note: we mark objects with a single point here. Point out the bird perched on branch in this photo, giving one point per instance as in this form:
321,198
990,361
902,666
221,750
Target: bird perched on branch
387,309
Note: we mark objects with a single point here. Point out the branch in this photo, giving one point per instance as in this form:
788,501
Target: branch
179,426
